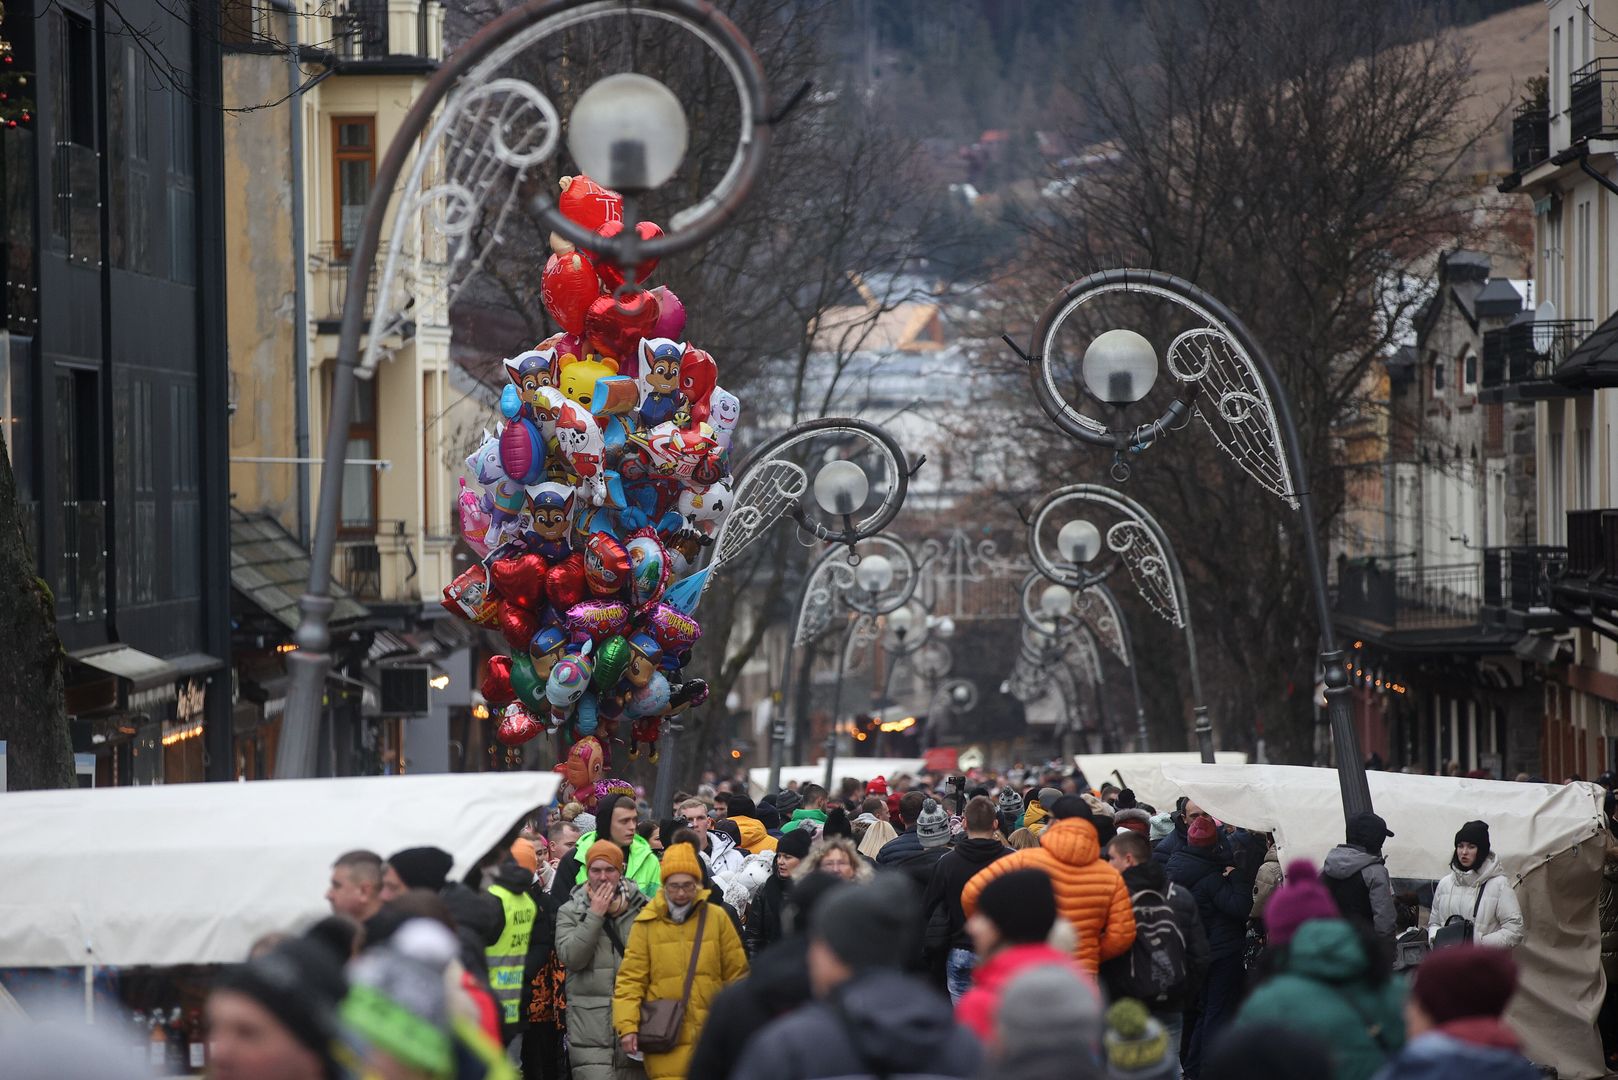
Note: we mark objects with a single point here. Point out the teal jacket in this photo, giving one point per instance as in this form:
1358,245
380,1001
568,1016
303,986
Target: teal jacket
800,816
643,869
1323,990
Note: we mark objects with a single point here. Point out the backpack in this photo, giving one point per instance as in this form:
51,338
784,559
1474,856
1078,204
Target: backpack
1155,968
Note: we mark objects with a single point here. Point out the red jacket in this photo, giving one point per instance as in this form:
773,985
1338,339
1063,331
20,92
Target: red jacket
980,1005
1090,894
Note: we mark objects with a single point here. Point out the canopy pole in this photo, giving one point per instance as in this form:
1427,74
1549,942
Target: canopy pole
89,992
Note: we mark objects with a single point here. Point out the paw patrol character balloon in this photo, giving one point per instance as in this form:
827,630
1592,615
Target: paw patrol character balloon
529,372
552,507
568,681
660,372
545,652
645,654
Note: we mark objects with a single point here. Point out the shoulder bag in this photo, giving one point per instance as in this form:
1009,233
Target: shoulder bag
1457,929
661,1018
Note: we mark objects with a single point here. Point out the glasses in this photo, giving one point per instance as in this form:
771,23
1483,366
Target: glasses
681,888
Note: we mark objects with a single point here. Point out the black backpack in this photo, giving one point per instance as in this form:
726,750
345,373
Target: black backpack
1154,970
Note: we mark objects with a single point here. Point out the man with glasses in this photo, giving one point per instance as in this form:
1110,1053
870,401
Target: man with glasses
717,849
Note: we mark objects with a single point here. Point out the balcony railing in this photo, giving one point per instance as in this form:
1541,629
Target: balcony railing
1593,100
1518,578
1592,544
329,290
81,591
361,32
1425,597
1522,356
376,563
1530,136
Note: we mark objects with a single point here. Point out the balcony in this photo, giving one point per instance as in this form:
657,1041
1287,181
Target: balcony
367,32
376,562
1519,360
1517,586
1420,598
1593,101
1530,136
328,292
1588,589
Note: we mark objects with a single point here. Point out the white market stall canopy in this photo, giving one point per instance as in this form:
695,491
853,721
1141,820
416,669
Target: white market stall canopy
1143,773
1548,838
860,768
194,873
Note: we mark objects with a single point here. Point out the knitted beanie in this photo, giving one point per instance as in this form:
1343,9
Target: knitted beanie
525,854
1162,827
1295,901
878,785
680,859
1136,1045
606,851
795,843
932,825
398,1002
422,867
1021,905
1463,981
1010,801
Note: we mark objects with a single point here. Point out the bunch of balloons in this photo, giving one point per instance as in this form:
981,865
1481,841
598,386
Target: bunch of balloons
608,476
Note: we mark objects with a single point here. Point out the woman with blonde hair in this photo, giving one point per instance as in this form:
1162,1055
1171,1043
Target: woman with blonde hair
837,856
876,835
1022,839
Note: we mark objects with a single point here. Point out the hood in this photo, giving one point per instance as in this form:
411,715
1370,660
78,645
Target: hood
719,844
637,899
1345,860
1073,841
479,914
809,815
1489,869
1327,950
752,830
979,850
1147,875
1034,814
893,1023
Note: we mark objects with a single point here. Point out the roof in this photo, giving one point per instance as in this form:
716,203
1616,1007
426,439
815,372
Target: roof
270,568
1594,364
1499,299
909,326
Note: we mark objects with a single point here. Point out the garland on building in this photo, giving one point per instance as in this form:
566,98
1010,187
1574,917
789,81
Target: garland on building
16,101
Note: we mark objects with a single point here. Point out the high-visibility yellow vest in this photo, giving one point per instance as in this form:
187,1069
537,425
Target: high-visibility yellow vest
508,955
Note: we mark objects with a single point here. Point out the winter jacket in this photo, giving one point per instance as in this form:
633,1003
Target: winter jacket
950,875
1223,900
722,854
1036,817
980,1005
1607,912
777,983
1151,877
880,1023
754,837
587,950
1475,1048
764,925
1090,894
904,846
479,921
1324,990
1499,919
818,817
654,966
1265,882
1170,845
1359,882
642,866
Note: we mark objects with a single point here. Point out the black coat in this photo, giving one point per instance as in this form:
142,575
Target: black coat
1224,901
1166,847
1151,876
950,875
764,926
777,984
900,848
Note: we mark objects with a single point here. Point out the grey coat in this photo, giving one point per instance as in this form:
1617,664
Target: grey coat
587,952
1345,862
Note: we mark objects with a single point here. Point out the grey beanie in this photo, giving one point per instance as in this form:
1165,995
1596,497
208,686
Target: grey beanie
1048,797
1010,801
1051,1009
932,825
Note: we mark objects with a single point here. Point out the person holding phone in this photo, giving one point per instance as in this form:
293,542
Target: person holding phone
591,930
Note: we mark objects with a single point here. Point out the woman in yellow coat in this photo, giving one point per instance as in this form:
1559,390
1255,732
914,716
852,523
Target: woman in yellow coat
658,954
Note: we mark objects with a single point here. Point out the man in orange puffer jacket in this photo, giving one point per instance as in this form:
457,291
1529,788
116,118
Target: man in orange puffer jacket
1090,894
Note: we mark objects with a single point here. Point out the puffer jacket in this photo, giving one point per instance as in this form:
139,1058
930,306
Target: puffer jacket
1499,918
722,855
1090,893
587,951
641,864
816,818
1264,882
1324,989
755,838
980,1005
1223,900
764,925
654,966
1035,818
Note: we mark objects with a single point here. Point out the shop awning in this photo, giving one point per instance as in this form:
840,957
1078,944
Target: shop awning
269,568
194,873
1594,364
142,670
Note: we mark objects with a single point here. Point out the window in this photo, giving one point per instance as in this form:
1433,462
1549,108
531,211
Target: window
1583,492
359,481
1582,255
1469,373
1557,87
353,140
182,196
129,146
78,68
1438,377
1554,529
79,513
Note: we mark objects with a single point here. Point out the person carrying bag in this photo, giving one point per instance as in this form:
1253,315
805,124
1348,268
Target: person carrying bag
1468,905
662,1018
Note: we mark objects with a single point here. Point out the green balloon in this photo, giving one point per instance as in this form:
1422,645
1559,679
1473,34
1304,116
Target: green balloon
612,660
527,684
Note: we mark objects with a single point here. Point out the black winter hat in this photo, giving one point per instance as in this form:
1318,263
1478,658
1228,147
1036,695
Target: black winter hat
868,926
1021,905
1473,832
740,806
795,843
300,983
837,823
422,867
1072,806
786,801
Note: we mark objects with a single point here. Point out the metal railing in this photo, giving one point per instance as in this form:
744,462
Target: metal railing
1518,578
1417,598
1530,135
375,561
81,591
1592,543
360,31
329,267
1593,100
1530,351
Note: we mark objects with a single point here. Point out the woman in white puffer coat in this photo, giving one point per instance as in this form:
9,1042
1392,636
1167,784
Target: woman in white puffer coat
1474,867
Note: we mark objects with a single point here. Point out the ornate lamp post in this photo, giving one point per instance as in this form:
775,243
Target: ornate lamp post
1138,544
477,136
1096,608
1221,375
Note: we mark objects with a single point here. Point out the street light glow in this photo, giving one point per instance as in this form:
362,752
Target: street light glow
1120,367
628,132
841,487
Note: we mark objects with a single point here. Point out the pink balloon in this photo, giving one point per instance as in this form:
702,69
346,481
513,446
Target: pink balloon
671,314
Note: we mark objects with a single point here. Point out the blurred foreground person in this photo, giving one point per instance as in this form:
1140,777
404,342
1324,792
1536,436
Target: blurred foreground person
1453,1019
1048,1027
274,1018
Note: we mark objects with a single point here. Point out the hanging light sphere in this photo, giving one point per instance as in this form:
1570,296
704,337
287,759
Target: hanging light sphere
900,621
1120,367
628,132
841,487
874,573
1079,542
1056,600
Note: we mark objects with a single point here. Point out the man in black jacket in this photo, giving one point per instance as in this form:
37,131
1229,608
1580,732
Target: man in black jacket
1356,875
947,943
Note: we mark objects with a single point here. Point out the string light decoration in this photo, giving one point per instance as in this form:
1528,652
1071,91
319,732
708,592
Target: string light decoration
16,101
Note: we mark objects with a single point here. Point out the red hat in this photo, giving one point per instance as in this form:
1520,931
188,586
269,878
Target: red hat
878,785
1463,981
893,805
1300,898
1202,832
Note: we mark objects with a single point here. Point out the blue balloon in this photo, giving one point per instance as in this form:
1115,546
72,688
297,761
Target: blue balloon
684,594
510,402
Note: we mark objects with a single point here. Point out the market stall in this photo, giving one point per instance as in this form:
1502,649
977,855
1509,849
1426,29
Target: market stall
859,768
1143,773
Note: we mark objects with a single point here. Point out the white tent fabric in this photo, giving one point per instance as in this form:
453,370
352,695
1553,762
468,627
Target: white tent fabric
1143,773
859,768
194,873
1548,837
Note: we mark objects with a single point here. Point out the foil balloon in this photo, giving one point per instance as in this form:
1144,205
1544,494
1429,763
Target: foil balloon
606,565
660,374
544,650
647,730
474,519
703,509
614,327
598,619
567,287
670,314
672,628
611,274
517,625
651,699
610,786
587,203
649,569
568,682
583,768
579,439
520,580
724,412
522,451
469,597
517,726
496,686
576,380
612,660
698,376
526,682
564,582
645,657
586,718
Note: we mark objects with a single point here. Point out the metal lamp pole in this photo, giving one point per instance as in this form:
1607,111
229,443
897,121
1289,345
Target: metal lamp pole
1246,409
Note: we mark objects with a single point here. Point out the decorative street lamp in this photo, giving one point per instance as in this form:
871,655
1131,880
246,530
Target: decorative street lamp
1139,544
1221,375
1096,608
918,637
474,140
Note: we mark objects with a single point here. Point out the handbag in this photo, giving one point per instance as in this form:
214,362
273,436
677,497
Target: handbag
1457,929
661,1018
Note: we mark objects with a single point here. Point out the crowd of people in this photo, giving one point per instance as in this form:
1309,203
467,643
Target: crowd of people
949,929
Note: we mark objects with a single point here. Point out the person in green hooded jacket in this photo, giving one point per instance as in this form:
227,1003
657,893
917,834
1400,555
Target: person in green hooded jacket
1324,982
811,809
617,817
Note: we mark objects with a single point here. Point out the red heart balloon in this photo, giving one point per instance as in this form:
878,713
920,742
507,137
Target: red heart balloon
496,685
698,376
564,582
520,580
566,288
610,273
517,726
517,626
588,203
617,331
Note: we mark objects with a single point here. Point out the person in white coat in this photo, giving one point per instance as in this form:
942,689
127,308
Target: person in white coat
1475,870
